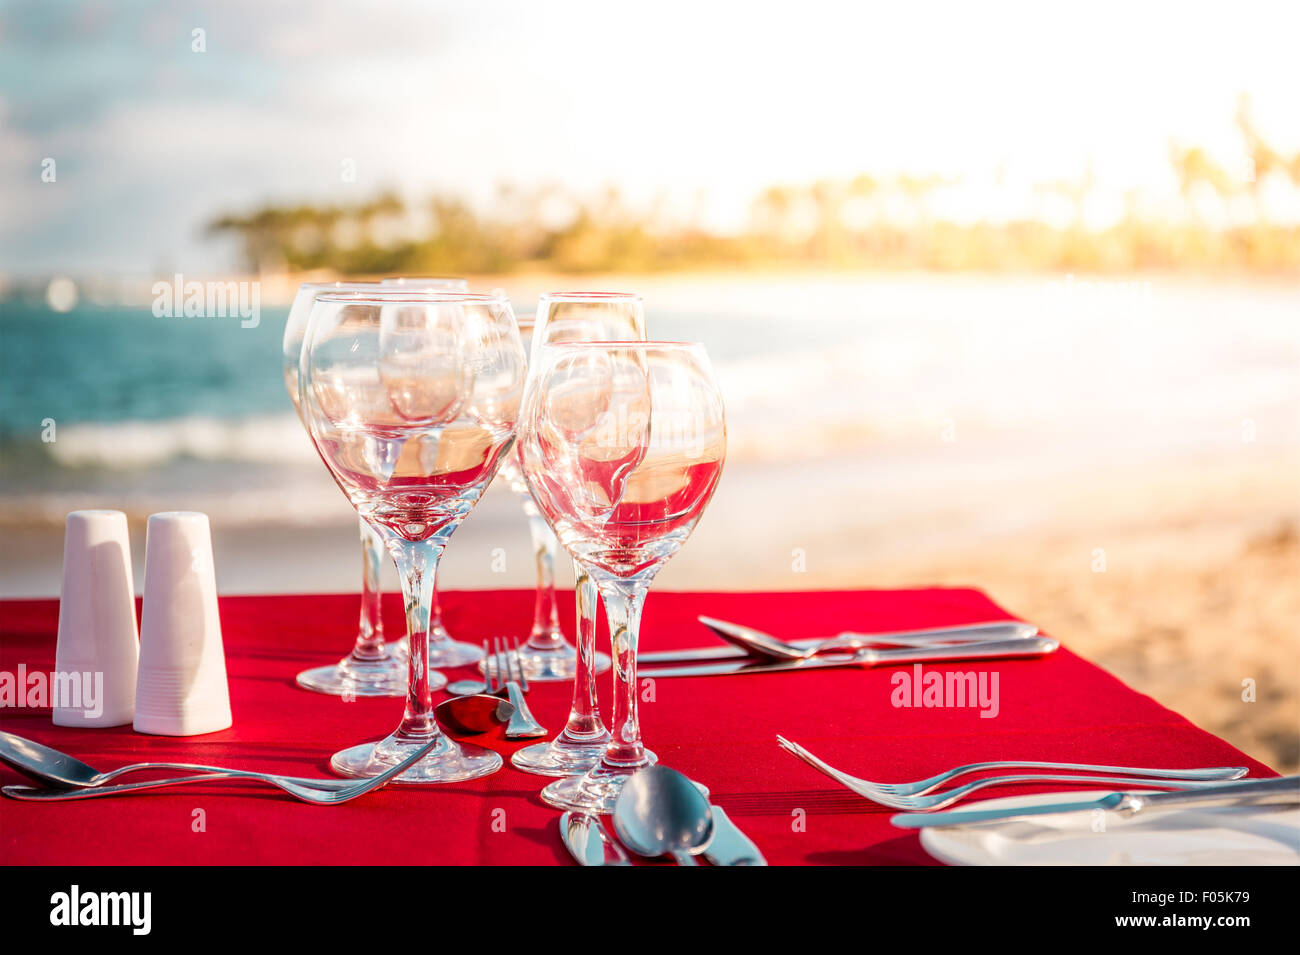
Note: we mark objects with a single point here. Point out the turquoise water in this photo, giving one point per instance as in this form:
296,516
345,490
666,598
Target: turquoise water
112,364
116,364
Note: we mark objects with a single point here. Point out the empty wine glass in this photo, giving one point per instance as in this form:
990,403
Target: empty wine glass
574,316
622,445
372,668
413,398
443,650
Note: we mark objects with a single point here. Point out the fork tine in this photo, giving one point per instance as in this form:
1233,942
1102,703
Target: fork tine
516,671
487,668
844,779
523,677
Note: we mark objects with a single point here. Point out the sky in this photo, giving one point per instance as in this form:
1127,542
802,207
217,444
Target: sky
700,105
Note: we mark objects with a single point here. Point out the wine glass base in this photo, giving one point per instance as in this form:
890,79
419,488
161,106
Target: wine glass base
558,758
596,791
349,677
448,762
553,666
453,653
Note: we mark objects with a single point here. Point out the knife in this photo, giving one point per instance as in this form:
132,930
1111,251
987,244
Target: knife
730,846
587,841
1283,790
972,633
1031,647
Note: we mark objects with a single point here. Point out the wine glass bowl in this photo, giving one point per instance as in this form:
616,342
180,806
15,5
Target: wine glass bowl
586,317
622,486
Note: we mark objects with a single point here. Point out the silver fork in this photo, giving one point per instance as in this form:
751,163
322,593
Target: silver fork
513,685
308,794
914,796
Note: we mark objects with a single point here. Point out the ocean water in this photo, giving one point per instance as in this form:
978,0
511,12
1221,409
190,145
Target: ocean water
155,412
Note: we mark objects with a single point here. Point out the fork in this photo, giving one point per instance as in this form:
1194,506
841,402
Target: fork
916,795
513,685
308,794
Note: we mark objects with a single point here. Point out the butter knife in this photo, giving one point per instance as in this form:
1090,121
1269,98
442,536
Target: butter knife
973,633
1252,792
869,657
587,841
730,846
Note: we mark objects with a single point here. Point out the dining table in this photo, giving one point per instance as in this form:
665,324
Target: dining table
721,731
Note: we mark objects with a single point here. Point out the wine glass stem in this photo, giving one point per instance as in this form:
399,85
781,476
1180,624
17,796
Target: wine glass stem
436,632
623,601
584,723
417,563
370,627
546,634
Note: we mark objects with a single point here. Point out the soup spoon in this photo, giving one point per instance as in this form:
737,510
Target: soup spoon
661,812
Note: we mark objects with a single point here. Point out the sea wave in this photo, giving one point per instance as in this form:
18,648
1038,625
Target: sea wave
267,439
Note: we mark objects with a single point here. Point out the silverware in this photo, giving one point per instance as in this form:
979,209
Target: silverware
61,771
513,685
1284,790
922,786
471,715
867,657
923,803
758,643
661,812
730,846
310,794
585,838
947,798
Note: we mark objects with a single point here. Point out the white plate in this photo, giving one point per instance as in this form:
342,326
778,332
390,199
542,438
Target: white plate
1238,835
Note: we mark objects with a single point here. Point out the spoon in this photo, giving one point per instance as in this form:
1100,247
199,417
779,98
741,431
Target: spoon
758,643
61,771
661,812
470,715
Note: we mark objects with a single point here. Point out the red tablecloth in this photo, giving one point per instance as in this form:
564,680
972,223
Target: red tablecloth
719,730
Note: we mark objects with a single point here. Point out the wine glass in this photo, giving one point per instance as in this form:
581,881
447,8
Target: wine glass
443,650
622,445
575,316
413,399
372,668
